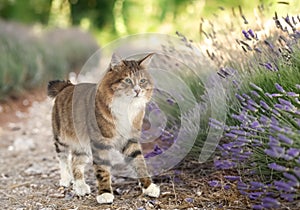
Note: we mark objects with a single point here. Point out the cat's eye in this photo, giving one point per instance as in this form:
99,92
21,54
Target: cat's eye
127,80
142,81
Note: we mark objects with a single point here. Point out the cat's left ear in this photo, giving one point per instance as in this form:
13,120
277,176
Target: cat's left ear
115,61
146,60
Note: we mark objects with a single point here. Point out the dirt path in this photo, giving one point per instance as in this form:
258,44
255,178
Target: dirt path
29,175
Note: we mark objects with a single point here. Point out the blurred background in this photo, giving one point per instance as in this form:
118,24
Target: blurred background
44,40
110,19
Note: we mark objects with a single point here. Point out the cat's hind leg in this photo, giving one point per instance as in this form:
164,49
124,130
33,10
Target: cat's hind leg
63,154
79,159
102,167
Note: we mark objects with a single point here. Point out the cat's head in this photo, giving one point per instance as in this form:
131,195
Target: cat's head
129,79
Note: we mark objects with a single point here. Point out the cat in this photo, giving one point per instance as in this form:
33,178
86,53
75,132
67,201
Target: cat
117,106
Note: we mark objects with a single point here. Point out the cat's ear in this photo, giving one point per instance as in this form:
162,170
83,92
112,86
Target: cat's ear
146,60
115,61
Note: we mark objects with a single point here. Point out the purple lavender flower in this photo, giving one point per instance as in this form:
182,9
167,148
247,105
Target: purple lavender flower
251,108
239,132
255,195
276,95
279,106
283,186
231,135
275,128
296,171
243,139
252,34
269,202
293,152
277,167
224,164
240,98
273,141
274,111
257,207
255,124
240,117
279,88
228,146
268,65
285,102
232,178
268,95
253,103
214,183
216,122
156,151
287,196
257,50
170,101
275,152
257,185
264,105
242,186
254,93
285,139
247,36
189,200
292,178
292,94
227,186
287,157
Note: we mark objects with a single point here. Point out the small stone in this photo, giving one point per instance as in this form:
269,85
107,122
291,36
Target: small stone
34,170
23,144
199,193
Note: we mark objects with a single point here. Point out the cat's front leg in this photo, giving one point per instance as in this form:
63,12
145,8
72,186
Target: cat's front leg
79,160
133,154
102,167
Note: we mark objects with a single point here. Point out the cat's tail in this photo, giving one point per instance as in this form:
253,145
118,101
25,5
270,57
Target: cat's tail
55,86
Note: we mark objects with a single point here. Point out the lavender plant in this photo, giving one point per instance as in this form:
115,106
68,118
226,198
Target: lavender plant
265,143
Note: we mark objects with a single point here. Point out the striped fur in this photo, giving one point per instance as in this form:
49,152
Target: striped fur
118,106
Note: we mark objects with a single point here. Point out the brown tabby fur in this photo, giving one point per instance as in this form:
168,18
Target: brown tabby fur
86,123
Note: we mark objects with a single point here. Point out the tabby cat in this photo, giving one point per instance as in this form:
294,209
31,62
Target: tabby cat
118,106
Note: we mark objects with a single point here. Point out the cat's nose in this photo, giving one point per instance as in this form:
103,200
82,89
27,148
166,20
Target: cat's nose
137,91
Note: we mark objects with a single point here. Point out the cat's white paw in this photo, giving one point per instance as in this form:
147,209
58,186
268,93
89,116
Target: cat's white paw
65,181
152,191
81,188
105,198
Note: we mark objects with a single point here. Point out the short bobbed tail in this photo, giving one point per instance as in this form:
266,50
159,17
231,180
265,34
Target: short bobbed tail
56,86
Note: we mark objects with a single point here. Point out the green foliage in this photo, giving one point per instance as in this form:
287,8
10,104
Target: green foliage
25,11
28,59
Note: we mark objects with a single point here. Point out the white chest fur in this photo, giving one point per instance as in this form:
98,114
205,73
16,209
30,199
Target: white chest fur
124,111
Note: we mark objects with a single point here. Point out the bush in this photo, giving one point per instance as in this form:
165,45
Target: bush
30,58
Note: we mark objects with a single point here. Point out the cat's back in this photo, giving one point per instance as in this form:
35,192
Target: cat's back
70,99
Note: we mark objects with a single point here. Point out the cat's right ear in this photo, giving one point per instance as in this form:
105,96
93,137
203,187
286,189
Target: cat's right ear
115,61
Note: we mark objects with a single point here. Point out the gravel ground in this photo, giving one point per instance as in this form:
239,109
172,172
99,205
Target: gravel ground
29,175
